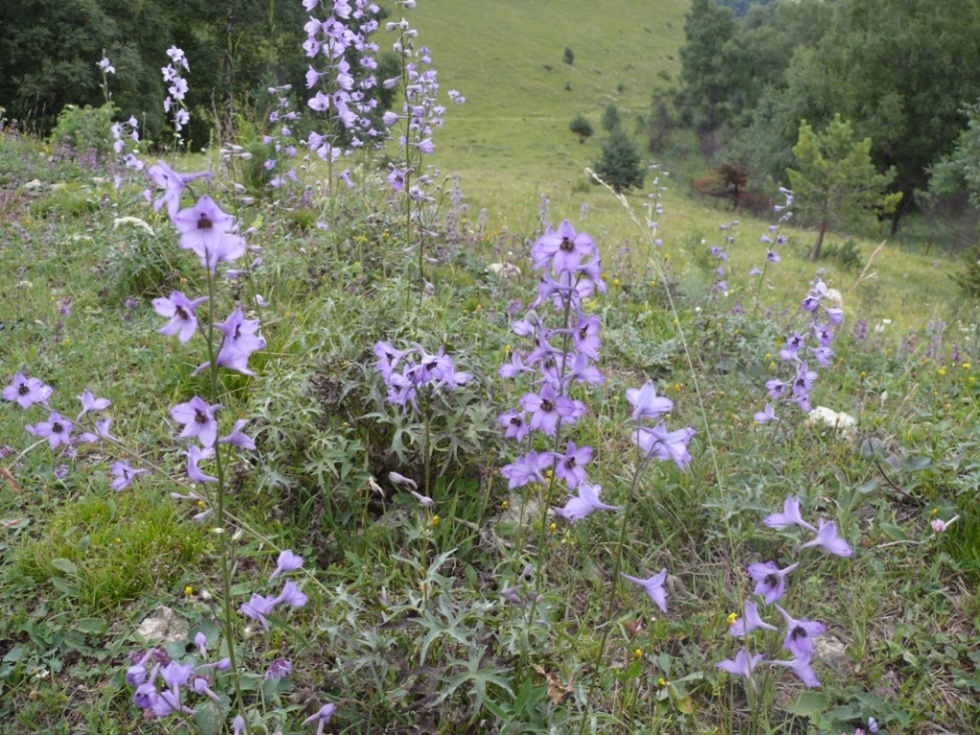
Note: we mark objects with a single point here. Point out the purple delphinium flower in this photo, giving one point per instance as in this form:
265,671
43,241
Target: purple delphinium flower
321,717
237,438
789,517
547,408
742,665
750,621
287,562
563,248
800,634
194,457
124,474
515,425
828,540
802,668
654,587
257,608
529,468
173,185
569,466
586,502
56,430
198,420
91,403
770,580
291,595
279,668
240,342
766,415
646,403
658,443
180,310
209,233
27,391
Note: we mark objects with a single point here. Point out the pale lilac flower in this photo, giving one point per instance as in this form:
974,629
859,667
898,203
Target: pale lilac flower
195,455
585,503
279,668
742,665
766,415
56,430
124,474
287,562
173,185
828,540
770,580
198,420
658,443
201,641
321,717
790,516
529,468
569,466
547,409
750,621
180,310
240,342
800,634
802,668
91,403
27,391
516,426
257,608
291,595
654,587
105,66
646,403
209,233
237,438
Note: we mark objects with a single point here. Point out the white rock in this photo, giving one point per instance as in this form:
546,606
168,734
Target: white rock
823,416
163,626
506,270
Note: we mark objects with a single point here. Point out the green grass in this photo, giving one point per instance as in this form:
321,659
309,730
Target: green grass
406,626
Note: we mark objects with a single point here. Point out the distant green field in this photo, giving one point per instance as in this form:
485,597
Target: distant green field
510,142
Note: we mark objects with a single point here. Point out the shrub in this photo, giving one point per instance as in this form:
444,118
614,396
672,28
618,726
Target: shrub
620,165
581,127
85,128
569,57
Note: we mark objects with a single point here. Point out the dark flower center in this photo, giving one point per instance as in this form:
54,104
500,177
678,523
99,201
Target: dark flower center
570,462
566,245
57,428
203,222
23,390
200,417
798,632
772,580
547,406
238,332
182,314
517,421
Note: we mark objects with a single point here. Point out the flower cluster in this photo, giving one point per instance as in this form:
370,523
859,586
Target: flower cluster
174,101
260,606
406,372
348,101
421,112
656,442
812,342
770,585
170,687
557,358
126,134
281,140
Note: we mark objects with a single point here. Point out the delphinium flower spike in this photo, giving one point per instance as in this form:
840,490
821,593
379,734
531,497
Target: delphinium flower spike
828,540
770,580
742,665
654,587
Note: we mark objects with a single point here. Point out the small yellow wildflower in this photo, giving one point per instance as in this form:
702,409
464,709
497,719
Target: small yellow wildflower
553,527
549,474
965,366
638,653
435,520
942,371
653,284
508,349
615,282
661,682
118,540
864,374
732,618
935,512
188,591
768,356
503,505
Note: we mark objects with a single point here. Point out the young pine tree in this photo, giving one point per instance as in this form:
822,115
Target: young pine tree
620,165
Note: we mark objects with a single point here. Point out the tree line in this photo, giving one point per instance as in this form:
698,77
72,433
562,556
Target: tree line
900,73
